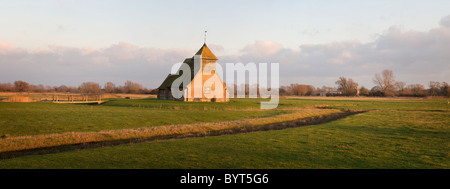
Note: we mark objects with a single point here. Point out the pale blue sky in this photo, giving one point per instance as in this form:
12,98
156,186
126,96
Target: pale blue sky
315,42
232,24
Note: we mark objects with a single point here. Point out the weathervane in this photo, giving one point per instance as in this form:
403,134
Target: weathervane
205,36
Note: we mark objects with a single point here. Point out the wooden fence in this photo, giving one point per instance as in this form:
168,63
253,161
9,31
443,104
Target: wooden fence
73,99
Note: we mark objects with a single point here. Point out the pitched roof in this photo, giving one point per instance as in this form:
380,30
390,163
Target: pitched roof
167,83
206,53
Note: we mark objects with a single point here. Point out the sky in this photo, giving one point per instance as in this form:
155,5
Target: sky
56,42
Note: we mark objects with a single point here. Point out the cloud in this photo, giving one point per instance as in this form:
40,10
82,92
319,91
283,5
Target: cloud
56,65
216,48
414,57
445,22
61,27
262,48
6,47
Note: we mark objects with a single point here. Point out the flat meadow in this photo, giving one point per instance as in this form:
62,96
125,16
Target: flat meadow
382,133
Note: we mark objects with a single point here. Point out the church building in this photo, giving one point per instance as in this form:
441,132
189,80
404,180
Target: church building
204,84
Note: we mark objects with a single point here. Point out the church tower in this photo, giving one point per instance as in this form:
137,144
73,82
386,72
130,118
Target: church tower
204,83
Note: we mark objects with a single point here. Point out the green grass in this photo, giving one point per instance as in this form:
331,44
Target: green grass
360,141
234,104
21,119
369,104
397,134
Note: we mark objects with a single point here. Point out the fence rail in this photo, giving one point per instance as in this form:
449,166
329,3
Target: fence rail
74,99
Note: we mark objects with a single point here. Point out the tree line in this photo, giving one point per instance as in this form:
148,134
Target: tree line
385,85
85,88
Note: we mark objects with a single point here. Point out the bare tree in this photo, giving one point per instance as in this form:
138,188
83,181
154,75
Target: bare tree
6,87
89,88
311,90
385,82
39,88
21,86
327,89
347,86
298,90
400,87
73,89
109,87
435,88
62,88
294,90
417,90
302,90
283,91
132,87
363,91
49,88
445,89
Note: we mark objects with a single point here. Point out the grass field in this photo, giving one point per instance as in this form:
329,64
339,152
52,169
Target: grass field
394,133
22,119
